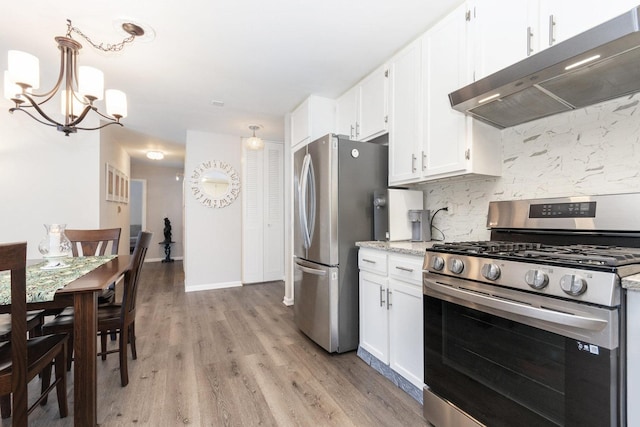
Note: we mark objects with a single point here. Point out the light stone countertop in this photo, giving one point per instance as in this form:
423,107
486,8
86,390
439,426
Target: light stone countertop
632,283
403,247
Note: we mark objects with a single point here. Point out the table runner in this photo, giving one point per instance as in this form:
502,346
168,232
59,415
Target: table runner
43,284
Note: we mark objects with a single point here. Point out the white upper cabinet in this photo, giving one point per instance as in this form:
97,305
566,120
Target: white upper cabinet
561,20
507,31
445,65
362,110
372,107
314,118
405,157
453,143
347,112
503,33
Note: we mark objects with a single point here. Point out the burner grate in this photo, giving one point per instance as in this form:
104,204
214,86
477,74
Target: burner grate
569,254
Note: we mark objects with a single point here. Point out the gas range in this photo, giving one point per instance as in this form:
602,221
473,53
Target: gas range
527,328
586,273
573,248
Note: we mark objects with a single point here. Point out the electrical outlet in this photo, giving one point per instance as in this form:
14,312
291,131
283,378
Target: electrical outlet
451,209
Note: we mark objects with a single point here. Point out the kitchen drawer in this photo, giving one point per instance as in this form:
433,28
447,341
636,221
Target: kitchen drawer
406,268
373,261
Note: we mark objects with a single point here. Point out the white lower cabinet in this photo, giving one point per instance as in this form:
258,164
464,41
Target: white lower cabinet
374,324
391,322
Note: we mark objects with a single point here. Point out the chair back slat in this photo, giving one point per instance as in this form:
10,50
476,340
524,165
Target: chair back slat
94,242
13,257
132,276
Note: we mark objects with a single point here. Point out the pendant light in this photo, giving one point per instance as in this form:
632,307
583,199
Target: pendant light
255,143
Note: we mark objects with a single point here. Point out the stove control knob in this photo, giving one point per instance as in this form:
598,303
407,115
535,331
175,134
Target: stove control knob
456,266
573,284
437,263
537,279
490,271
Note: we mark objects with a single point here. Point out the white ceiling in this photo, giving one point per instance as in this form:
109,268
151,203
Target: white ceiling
261,58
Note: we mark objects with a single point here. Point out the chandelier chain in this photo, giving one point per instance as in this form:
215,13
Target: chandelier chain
100,46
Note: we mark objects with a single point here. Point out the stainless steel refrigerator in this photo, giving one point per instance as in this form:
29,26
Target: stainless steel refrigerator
334,183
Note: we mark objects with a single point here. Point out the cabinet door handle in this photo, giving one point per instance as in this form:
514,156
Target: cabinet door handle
368,260
413,163
552,30
389,298
357,129
351,132
382,301
424,161
410,270
529,38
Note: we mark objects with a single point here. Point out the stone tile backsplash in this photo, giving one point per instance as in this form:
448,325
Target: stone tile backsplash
594,150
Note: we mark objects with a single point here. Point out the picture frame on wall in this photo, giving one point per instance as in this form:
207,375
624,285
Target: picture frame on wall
116,185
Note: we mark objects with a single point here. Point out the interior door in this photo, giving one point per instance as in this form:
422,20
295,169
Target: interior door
273,244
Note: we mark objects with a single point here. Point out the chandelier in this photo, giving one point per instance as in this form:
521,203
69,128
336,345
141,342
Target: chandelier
80,86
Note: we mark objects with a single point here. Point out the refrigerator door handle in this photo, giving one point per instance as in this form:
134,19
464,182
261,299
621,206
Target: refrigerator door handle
312,270
307,183
302,201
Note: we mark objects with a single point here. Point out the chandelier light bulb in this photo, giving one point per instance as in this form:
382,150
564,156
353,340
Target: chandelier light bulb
116,101
24,69
91,83
76,105
11,90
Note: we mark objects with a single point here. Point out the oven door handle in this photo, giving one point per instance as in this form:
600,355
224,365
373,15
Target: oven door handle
473,300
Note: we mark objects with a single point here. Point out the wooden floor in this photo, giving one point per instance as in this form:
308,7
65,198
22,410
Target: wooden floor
232,357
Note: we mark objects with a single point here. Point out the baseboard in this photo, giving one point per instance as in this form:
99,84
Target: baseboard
178,258
211,286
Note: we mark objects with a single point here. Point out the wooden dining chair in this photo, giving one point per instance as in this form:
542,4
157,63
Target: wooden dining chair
90,242
95,243
22,359
114,317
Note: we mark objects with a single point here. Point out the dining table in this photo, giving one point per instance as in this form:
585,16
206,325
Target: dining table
75,282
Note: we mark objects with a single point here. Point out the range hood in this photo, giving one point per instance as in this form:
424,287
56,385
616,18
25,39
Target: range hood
545,84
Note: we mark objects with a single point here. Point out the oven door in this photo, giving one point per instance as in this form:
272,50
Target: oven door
507,358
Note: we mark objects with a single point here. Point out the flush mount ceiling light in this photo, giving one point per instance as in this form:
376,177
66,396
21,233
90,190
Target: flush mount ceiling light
155,155
255,143
79,87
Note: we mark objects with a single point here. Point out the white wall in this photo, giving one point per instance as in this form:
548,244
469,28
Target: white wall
45,177
112,214
164,199
213,237
585,152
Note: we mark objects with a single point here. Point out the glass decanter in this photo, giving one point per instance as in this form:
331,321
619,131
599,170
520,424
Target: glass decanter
55,246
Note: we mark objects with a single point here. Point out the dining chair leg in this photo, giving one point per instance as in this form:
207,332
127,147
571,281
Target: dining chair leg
45,381
124,374
61,387
132,341
5,406
69,351
103,345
